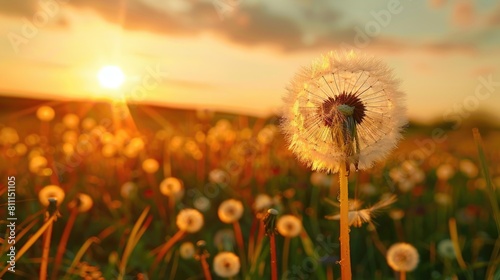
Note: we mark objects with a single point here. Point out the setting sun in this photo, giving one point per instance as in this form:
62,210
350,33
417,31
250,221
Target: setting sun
111,76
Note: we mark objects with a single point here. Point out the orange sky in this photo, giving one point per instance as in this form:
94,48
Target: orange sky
240,55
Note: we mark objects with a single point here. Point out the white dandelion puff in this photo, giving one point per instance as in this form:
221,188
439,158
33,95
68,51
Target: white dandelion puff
289,226
189,220
51,192
345,107
226,264
187,250
172,186
402,257
230,211
446,249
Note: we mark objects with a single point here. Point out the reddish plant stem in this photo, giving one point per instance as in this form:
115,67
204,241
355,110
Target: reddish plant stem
45,253
274,266
206,268
63,241
241,245
164,249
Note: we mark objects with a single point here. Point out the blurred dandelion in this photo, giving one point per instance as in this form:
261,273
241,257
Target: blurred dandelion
189,220
446,249
226,264
51,192
150,165
288,226
468,168
187,250
71,121
45,113
202,203
172,187
402,257
230,211
445,172
262,202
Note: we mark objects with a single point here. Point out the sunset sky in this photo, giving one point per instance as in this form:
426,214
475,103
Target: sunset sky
239,55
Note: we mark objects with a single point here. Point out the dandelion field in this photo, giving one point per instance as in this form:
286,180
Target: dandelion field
443,201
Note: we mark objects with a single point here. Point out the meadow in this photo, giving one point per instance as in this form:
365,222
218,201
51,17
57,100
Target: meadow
127,173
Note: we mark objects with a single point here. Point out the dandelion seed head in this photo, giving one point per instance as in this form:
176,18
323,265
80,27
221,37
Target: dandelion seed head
224,237
150,165
187,250
88,123
8,136
37,163
45,113
189,220
289,226
442,199
128,189
71,121
468,168
402,257
445,172
230,211
202,203
83,202
343,95
446,250
226,264
51,192
262,202
172,186
396,214
219,176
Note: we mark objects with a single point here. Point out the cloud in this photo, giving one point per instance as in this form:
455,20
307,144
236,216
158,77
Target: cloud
463,14
285,26
249,25
18,8
493,19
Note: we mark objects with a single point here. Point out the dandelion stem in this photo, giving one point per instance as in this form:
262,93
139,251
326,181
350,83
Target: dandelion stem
164,249
345,257
241,245
63,241
329,273
274,267
206,268
45,252
454,237
402,275
286,251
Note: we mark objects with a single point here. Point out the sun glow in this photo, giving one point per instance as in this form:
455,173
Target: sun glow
111,76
